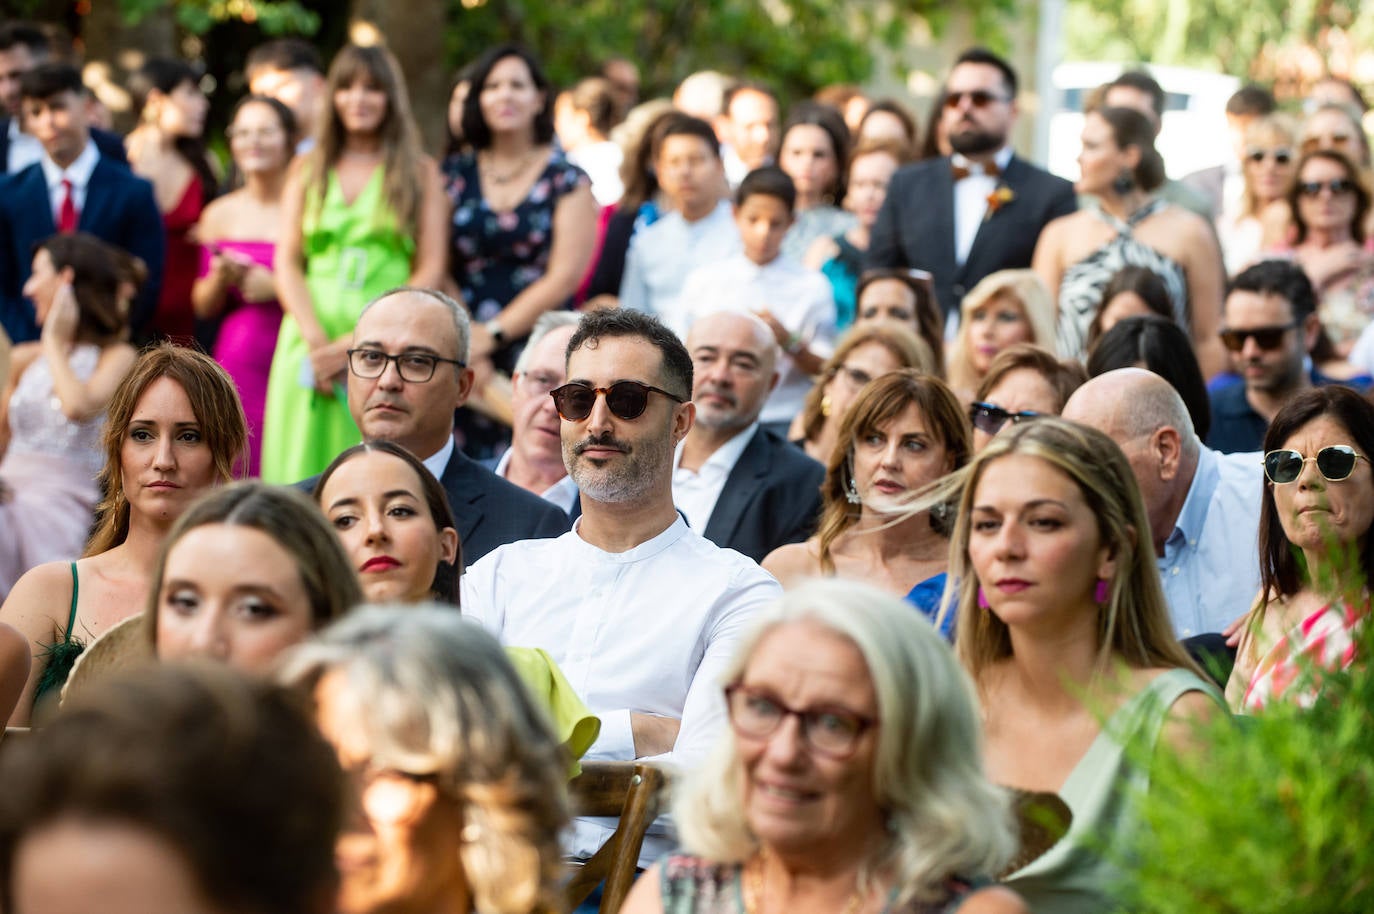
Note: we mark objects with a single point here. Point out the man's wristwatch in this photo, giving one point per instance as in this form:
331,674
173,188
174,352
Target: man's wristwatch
496,332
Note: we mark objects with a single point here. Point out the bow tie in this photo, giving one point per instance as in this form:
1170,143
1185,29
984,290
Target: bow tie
960,172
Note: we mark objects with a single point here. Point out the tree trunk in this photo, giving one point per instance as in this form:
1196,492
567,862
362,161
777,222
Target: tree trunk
114,49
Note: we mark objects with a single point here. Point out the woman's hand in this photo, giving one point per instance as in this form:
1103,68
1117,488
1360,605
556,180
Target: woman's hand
329,362
257,284
59,327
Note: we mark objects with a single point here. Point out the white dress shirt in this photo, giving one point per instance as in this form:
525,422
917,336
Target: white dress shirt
802,300
24,149
438,462
562,493
648,630
661,257
79,173
695,492
971,201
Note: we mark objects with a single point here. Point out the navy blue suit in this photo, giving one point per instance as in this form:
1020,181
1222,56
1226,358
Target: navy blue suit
120,210
111,145
771,498
915,228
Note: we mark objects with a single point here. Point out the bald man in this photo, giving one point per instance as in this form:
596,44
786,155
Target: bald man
739,485
1203,506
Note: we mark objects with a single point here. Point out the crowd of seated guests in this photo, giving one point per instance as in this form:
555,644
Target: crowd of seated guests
582,409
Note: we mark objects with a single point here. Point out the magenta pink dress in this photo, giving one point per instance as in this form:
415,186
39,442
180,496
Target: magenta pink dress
247,338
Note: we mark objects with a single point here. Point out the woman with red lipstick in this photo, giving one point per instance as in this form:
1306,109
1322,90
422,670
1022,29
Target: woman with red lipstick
1062,622
1006,308
174,428
850,780
248,571
905,430
1318,502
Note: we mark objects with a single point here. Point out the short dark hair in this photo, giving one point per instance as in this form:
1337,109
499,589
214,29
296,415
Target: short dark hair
1281,572
24,35
475,129
1352,174
735,89
1251,100
49,79
284,54
832,122
1163,347
229,770
679,124
1142,81
1283,278
1140,281
1132,128
622,322
768,181
984,56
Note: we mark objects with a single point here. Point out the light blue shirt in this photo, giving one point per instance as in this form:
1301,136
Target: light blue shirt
661,257
1210,567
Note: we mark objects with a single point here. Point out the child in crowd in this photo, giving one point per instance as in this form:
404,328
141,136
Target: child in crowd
798,304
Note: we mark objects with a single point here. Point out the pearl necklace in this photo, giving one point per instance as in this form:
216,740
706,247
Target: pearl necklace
754,886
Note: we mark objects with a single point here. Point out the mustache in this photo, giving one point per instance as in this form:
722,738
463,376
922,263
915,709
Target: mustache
605,440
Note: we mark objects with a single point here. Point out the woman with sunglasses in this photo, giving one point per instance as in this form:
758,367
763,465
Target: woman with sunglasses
905,430
872,800
1268,170
1023,382
864,353
1316,552
1078,254
1329,204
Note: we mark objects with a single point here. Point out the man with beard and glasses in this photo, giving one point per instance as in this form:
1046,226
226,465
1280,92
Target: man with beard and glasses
640,613
964,216
741,486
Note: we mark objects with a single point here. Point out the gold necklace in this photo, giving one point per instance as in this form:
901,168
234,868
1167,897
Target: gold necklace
488,169
753,888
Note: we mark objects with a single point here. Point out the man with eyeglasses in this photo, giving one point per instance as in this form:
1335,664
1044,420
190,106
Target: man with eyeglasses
641,613
978,211
534,460
1269,326
1203,506
406,376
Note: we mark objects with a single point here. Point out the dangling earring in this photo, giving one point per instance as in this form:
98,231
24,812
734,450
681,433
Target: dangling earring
1124,184
983,600
825,406
851,492
1101,592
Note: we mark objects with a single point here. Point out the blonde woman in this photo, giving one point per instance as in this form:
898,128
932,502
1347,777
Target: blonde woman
1005,308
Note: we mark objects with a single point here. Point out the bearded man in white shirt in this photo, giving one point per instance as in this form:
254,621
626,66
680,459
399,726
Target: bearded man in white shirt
641,614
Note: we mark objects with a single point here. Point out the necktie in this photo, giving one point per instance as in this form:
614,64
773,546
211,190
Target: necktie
66,211
963,171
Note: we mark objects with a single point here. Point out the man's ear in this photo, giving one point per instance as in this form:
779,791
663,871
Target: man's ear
1311,328
684,417
465,379
1167,446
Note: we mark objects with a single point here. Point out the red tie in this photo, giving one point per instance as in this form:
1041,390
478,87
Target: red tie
66,212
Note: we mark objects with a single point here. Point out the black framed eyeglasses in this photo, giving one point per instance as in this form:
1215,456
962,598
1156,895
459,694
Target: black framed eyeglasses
1335,463
831,731
989,417
978,98
1337,186
625,399
1281,156
1265,337
414,367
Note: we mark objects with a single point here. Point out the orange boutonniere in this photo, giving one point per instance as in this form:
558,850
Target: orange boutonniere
999,198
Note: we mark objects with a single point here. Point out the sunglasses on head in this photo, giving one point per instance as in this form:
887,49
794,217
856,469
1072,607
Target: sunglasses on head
978,98
989,418
625,399
1330,141
1265,337
1335,463
1281,156
1337,187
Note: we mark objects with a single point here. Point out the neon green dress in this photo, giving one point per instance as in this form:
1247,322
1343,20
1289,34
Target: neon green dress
353,253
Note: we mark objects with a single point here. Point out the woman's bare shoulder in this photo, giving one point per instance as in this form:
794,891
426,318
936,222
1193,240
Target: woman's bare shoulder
793,561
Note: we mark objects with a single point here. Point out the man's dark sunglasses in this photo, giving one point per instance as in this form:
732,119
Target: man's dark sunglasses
625,399
989,417
1337,187
979,98
1265,337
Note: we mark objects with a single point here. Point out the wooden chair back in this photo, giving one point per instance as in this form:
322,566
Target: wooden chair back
634,791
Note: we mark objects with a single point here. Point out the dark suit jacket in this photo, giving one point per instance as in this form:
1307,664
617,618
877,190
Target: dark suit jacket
489,511
120,210
915,228
111,145
772,497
